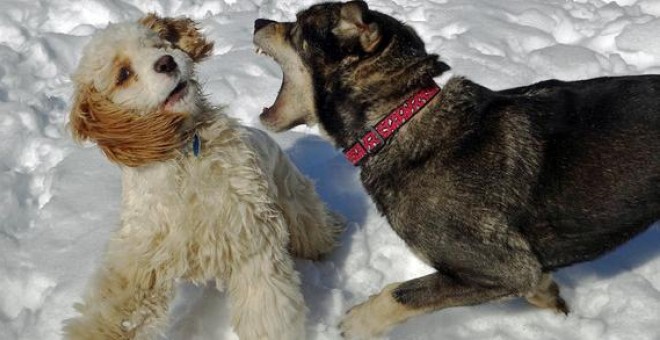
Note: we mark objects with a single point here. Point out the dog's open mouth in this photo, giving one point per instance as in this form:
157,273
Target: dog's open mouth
294,103
265,113
179,92
276,117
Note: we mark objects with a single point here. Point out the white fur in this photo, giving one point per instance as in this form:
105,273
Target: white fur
231,214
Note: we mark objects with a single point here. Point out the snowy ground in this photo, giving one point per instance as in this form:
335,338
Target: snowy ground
59,201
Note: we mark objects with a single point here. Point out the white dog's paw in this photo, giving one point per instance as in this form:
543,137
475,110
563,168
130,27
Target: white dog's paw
335,225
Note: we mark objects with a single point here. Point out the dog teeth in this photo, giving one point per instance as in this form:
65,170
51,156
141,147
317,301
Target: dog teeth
260,51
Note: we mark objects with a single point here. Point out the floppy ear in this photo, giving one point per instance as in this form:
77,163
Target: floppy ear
351,25
80,115
183,33
125,136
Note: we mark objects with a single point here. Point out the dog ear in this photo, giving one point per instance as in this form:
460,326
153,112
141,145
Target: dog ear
183,33
80,115
352,25
89,113
421,69
437,66
125,136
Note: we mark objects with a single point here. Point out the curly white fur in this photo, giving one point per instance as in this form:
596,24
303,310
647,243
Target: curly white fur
232,214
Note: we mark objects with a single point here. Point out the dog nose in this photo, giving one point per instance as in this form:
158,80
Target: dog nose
260,23
165,64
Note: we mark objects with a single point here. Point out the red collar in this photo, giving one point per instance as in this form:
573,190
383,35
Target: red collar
378,135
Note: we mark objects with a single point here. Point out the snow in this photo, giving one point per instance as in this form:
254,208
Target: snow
59,202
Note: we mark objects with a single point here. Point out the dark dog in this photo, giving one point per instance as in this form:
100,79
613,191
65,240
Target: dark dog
494,189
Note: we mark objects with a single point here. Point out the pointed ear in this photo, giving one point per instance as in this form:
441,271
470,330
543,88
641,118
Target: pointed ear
352,25
438,67
421,70
182,32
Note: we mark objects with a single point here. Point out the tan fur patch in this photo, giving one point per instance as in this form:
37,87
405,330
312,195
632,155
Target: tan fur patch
379,314
119,63
125,136
546,295
182,32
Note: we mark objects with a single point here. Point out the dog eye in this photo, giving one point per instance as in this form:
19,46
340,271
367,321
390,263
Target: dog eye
123,75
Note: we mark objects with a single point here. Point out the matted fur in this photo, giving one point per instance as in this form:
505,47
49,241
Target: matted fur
234,213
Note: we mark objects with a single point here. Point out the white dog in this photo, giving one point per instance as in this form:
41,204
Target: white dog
204,198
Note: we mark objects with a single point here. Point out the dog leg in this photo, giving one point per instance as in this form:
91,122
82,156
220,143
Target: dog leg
265,295
124,302
546,295
398,302
475,266
313,228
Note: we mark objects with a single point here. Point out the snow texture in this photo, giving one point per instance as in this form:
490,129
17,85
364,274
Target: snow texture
59,201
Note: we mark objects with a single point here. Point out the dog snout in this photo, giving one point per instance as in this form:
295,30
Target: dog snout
260,23
165,64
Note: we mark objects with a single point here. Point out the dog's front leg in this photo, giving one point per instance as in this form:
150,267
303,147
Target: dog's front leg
265,296
125,301
398,302
489,271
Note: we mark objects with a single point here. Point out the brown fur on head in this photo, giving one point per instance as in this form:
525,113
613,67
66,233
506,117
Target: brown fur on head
136,96
125,136
182,32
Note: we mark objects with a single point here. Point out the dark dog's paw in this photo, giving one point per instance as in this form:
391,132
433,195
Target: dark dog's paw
546,295
358,324
561,306
374,317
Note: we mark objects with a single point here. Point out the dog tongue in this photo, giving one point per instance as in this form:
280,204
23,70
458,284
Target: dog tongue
270,113
176,95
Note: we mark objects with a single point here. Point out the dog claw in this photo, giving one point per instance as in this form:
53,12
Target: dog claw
562,307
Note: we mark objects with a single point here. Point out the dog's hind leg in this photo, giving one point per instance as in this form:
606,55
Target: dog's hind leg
546,295
313,228
265,297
